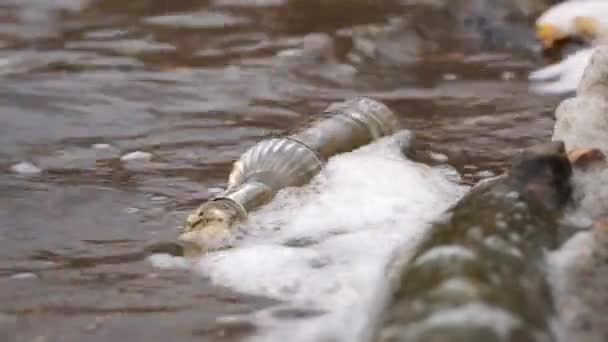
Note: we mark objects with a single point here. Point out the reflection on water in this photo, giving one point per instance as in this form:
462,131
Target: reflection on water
194,83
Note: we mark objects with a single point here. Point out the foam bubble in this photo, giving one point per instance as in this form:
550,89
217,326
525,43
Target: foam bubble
166,261
561,77
26,168
101,146
591,193
24,275
325,247
479,315
137,155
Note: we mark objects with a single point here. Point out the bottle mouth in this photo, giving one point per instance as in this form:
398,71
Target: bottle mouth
218,211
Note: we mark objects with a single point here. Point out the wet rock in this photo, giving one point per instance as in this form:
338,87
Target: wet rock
479,275
582,121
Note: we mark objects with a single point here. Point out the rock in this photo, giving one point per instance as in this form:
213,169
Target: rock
479,275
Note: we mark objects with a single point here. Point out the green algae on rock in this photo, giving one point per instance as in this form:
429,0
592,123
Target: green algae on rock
479,275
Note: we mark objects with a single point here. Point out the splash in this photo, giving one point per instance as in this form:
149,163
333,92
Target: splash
562,77
323,249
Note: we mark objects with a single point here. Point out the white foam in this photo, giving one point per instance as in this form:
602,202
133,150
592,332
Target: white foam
167,261
445,252
137,155
591,193
476,314
562,77
101,146
24,275
26,168
325,247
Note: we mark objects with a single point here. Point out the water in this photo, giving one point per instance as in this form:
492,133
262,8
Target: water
194,84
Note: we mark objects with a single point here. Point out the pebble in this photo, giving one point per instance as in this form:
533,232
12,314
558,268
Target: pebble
26,168
137,155
24,275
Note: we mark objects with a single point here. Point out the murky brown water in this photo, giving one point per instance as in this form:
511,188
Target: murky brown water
194,83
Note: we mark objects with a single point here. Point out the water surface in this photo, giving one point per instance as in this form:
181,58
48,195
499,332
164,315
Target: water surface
193,83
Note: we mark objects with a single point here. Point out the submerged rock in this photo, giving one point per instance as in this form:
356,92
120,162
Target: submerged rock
479,275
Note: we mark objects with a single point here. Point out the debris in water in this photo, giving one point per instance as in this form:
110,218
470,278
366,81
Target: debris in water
345,225
277,163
